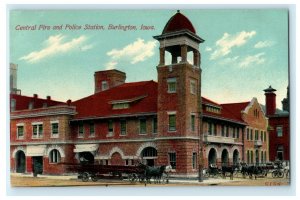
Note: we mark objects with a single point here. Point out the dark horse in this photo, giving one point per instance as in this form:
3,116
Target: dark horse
228,169
152,172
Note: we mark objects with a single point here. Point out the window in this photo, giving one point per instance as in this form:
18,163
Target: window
248,134
20,132
265,136
110,126
223,131
154,125
251,134
237,132
261,136
12,104
172,122
80,129
248,157
92,129
37,131
209,128
54,129
227,131
215,129
120,106
172,160
171,85
104,85
194,160
54,156
256,135
193,122
279,131
193,88
142,126
279,152
233,132
123,127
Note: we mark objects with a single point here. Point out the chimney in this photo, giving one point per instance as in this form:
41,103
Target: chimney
48,98
270,101
105,80
69,102
35,96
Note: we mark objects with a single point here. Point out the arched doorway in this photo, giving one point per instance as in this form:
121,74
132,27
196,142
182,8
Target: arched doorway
148,155
235,157
225,158
20,162
212,156
116,159
86,157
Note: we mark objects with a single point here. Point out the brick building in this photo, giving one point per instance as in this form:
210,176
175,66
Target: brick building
234,132
158,123
279,130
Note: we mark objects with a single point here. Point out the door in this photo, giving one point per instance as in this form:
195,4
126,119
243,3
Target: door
20,162
37,163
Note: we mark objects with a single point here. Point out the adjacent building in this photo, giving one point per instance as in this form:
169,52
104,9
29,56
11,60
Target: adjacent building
279,130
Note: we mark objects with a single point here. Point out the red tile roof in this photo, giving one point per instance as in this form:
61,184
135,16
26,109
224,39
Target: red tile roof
100,104
230,112
22,102
234,110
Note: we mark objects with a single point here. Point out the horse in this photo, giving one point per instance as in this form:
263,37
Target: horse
154,172
228,169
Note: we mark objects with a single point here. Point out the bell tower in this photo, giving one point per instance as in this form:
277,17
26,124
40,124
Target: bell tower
179,93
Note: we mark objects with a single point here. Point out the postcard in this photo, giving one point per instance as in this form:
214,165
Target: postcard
149,97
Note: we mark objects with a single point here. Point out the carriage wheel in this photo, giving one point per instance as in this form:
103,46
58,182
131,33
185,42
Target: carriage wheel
85,177
274,174
132,177
280,174
94,178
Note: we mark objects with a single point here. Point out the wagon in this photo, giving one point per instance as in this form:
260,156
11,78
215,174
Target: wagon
97,171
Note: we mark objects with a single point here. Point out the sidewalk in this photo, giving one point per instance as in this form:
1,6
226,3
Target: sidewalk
213,181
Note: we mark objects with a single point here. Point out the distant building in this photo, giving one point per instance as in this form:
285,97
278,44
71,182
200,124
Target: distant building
279,129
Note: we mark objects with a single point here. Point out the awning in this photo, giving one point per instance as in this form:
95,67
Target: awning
86,147
35,150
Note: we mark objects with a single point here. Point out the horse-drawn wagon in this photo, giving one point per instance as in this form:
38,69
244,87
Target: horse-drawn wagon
140,172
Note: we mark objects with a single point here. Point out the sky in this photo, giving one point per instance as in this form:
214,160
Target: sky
245,51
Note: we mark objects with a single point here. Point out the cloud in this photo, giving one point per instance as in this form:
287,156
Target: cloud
263,44
86,47
111,65
53,45
227,42
137,51
208,49
253,60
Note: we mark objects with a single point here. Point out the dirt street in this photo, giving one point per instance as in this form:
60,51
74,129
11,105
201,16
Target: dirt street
50,182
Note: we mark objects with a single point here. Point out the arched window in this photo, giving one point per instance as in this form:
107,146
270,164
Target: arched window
54,156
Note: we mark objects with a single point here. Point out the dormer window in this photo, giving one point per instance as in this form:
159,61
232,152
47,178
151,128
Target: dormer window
213,109
120,106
